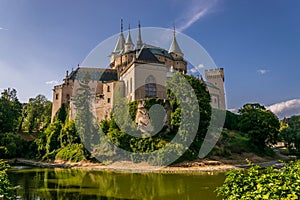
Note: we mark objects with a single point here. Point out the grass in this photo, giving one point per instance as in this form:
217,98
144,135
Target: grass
235,145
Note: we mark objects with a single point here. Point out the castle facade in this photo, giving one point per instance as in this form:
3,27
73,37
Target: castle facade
142,70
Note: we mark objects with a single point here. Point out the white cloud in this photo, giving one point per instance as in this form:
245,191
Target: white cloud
196,69
263,71
200,66
196,11
193,19
234,110
3,29
193,70
53,82
286,108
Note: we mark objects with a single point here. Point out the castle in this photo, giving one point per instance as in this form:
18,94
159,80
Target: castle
142,70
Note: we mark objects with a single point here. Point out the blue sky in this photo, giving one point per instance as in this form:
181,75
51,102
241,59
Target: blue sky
256,41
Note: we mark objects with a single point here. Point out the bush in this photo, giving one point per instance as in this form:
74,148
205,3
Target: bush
257,183
72,152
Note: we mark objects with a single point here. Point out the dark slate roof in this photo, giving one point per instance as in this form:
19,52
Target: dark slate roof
162,52
147,55
95,74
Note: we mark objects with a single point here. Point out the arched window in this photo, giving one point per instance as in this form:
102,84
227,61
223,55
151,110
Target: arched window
150,86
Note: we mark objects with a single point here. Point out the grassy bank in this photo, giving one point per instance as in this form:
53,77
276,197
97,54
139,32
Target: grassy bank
235,147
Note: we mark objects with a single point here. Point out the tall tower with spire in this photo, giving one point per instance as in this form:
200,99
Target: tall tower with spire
120,44
139,42
129,46
174,48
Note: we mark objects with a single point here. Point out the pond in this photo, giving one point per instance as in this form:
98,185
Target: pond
43,183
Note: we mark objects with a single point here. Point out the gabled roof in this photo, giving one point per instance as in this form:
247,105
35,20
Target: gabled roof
147,55
162,52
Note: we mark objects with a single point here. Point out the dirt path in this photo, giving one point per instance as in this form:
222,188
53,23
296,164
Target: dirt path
126,166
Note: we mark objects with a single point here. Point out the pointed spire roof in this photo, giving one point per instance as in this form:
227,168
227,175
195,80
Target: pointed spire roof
121,41
174,48
128,39
139,42
128,44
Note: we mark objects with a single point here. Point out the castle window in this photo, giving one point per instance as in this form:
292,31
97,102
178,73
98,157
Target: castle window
130,84
56,96
108,88
68,97
127,87
150,87
108,100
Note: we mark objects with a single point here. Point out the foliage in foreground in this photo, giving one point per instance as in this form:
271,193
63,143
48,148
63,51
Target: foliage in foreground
6,188
257,183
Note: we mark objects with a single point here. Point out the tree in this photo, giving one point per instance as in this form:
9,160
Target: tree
231,121
68,134
203,97
10,110
262,125
160,143
51,142
37,114
291,134
86,122
62,113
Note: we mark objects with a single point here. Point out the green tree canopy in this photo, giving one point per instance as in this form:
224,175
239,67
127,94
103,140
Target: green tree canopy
37,113
231,121
10,110
291,134
205,111
262,125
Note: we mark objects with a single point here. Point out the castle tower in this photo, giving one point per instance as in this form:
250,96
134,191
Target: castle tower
139,42
216,78
120,44
175,50
129,46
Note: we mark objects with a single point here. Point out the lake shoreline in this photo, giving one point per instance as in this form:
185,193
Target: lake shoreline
130,167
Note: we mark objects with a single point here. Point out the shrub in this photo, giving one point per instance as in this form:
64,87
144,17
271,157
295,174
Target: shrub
71,152
257,183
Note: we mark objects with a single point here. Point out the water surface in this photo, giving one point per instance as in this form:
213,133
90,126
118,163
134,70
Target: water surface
43,183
